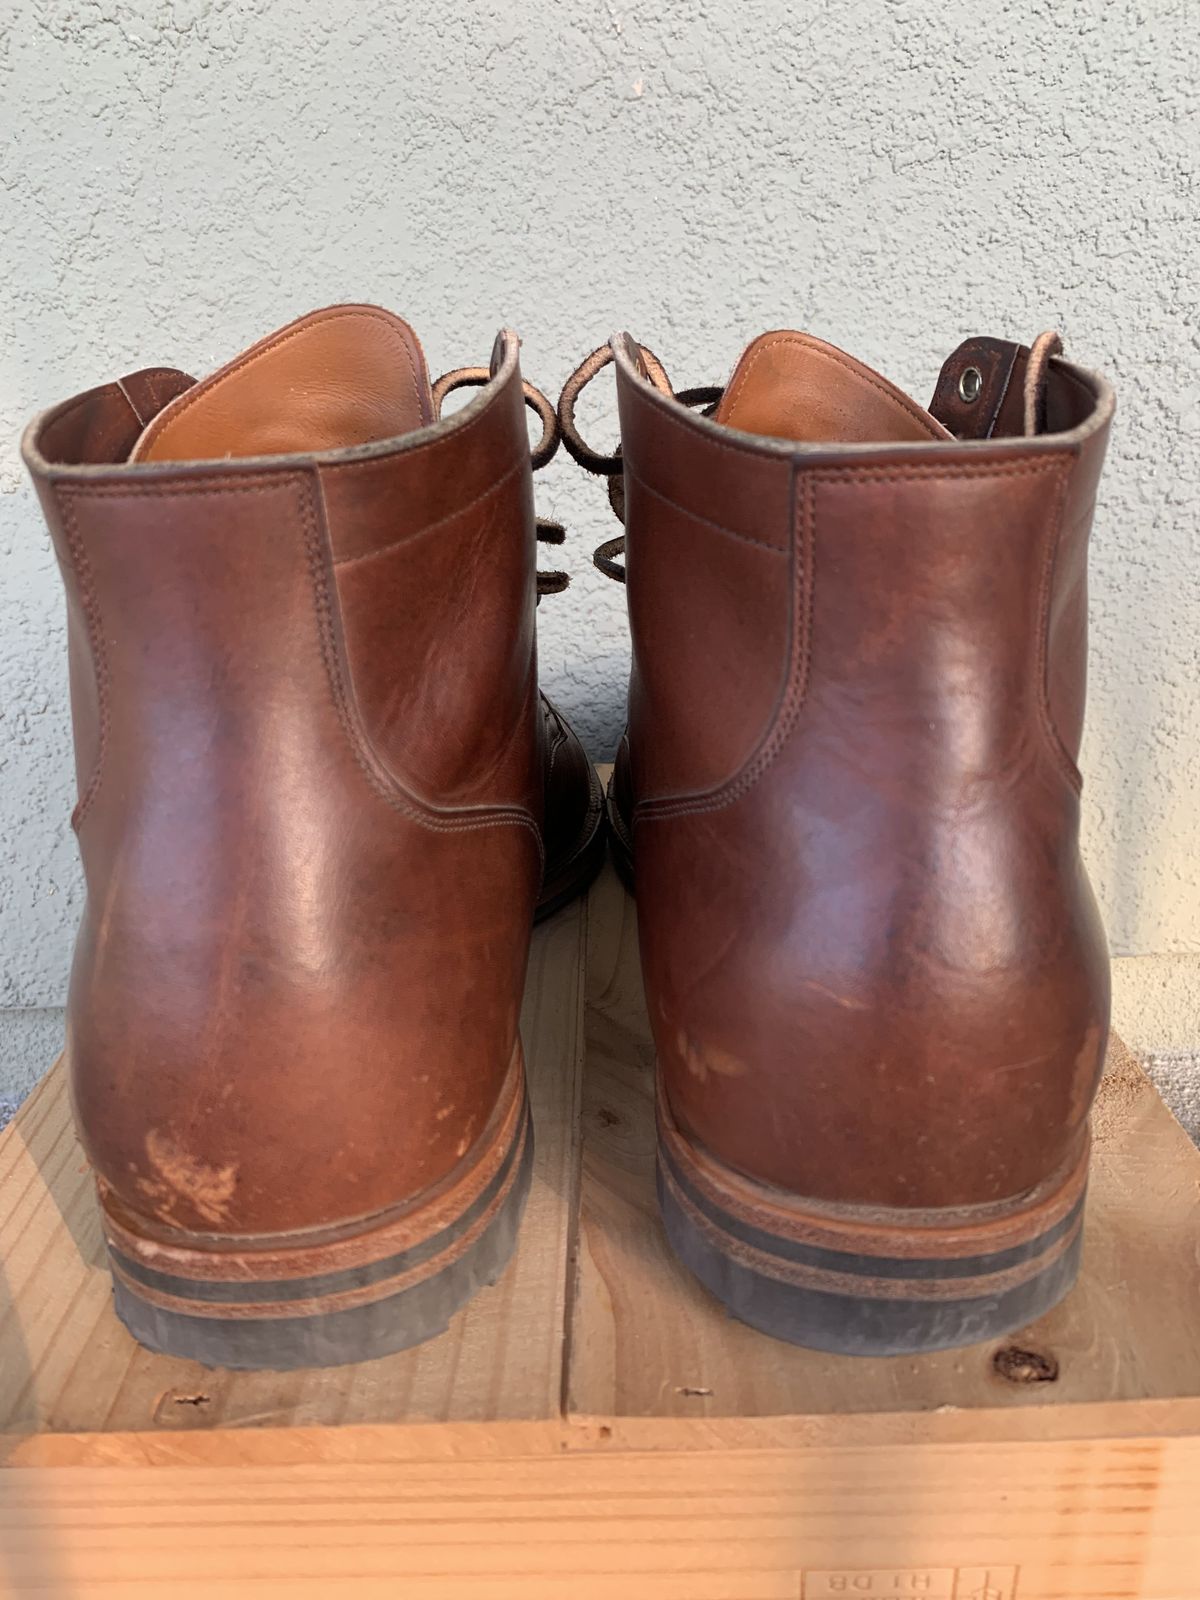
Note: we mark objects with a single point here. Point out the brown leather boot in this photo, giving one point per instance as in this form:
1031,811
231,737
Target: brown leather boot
313,771
874,969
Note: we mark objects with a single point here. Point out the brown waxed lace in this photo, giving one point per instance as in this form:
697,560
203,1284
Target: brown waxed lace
1036,366
705,399
573,442
548,532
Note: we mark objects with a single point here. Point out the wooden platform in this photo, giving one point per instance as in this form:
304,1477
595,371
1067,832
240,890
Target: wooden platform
595,1425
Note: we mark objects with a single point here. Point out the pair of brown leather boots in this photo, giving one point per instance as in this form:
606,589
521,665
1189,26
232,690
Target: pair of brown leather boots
321,803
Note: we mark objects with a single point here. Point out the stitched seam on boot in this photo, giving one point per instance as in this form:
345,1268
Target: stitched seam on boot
1053,543
838,359
202,391
695,516
791,704
345,562
386,786
685,424
796,684
85,581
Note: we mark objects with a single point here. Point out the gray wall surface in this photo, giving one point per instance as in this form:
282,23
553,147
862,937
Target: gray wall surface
177,179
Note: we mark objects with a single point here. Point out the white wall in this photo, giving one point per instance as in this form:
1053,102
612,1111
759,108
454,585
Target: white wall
177,179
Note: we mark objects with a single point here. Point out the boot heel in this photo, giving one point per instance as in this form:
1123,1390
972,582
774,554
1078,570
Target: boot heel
864,1280
305,1300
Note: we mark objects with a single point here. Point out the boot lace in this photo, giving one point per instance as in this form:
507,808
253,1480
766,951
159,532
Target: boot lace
609,556
540,455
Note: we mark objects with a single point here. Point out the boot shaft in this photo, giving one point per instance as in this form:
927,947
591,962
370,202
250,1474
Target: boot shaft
308,742
193,585
933,604
855,713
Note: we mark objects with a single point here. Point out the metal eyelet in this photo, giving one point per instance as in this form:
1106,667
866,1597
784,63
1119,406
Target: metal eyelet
970,385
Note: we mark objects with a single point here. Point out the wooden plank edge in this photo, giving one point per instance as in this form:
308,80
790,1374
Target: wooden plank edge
380,1443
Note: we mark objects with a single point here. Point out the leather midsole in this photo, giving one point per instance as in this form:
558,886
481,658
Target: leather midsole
955,1242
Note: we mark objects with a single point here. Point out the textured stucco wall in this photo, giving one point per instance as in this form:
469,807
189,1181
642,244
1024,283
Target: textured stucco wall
178,178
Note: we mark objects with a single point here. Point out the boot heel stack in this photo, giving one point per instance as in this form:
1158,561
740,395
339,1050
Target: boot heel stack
320,1300
866,1281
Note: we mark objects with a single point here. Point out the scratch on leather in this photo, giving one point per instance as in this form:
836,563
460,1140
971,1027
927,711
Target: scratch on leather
848,1002
183,1177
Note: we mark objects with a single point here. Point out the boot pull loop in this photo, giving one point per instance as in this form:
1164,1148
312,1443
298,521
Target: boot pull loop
540,454
152,389
995,389
978,389
1037,369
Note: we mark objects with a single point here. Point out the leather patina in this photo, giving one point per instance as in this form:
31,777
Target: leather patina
874,967
318,796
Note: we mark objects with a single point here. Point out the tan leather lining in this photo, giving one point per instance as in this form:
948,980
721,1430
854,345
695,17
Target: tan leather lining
792,386
344,376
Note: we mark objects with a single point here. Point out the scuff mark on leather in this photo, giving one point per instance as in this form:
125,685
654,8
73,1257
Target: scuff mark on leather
705,1061
1089,1050
183,1177
1088,1063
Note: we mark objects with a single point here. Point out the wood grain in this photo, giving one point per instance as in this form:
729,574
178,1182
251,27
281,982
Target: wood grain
68,1366
648,1341
1106,1520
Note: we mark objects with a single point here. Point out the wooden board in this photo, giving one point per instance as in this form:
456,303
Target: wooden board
1106,1521
647,1340
595,1423
68,1366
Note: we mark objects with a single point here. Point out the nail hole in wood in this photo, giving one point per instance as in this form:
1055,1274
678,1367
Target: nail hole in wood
1016,1365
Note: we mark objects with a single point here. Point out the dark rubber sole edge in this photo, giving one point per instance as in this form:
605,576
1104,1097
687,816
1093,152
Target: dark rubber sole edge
860,1325
336,1338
